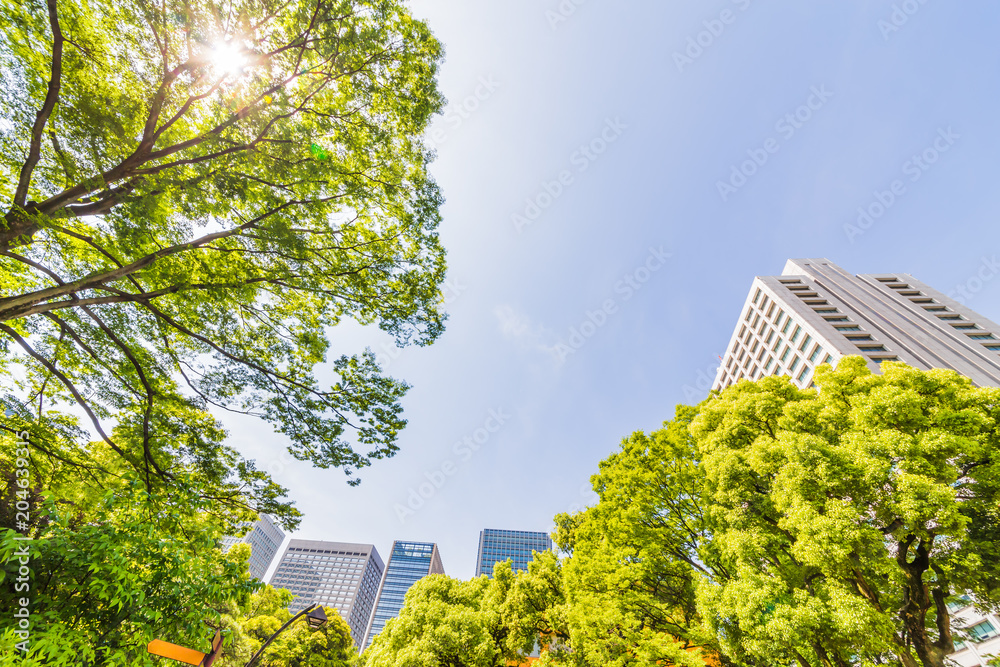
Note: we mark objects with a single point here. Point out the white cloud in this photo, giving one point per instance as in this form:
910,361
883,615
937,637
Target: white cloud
518,327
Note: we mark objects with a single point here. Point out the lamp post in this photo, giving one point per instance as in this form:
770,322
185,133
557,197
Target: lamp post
315,616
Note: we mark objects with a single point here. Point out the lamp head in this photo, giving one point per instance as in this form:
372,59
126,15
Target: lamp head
316,618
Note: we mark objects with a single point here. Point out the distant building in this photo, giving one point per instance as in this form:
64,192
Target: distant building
409,562
335,574
496,546
264,539
982,629
815,313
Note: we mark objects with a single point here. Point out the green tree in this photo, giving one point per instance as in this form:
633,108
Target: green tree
247,626
848,515
106,581
634,557
112,564
195,192
446,621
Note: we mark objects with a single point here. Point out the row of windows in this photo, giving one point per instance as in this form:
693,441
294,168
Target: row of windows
771,342
945,314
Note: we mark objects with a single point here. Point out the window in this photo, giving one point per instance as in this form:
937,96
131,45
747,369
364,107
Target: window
793,365
964,325
756,296
778,317
784,355
879,360
767,366
982,631
872,348
812,357
825,310
756,320
935,309
857,337
851,328
777,345
770,336
950,317
898,286
770,310
805,369
887,280
805,342
982,337
836,319
754,347
828,359
992,348
911,293
798,287
922,300
788,323
789,281
795,335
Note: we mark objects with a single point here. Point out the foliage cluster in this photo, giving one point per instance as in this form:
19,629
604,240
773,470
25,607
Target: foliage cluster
769,525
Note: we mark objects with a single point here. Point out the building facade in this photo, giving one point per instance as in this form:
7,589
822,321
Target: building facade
409,562
335,574
496,546
264,539
982,631
815,313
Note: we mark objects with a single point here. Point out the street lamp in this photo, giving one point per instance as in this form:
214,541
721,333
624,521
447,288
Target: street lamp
315,616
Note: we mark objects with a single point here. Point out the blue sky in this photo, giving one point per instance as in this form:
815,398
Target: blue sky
581,156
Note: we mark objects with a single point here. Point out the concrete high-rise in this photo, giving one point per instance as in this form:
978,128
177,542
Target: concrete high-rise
815,312
496,546
264,539
409,562
335,574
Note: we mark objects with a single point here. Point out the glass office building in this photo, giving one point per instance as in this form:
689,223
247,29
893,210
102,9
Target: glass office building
335,574
409,562
496,546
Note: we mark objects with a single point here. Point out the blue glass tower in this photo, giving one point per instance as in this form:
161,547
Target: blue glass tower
409,562
496,546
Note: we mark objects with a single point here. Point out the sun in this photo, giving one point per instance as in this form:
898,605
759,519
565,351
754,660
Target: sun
229,58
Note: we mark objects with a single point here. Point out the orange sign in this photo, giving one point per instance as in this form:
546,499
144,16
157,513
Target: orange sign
175,652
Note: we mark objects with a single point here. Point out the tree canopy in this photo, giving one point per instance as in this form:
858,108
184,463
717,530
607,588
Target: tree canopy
195,193
771,525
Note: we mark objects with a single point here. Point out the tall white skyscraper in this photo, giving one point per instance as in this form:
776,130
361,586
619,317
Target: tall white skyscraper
264,539
815,312
335,574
